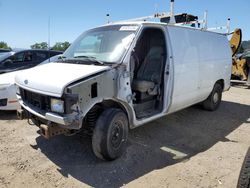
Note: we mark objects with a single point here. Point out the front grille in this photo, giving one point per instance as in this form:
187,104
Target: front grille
36,100
3,102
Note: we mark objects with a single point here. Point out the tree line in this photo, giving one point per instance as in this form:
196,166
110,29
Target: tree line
60,46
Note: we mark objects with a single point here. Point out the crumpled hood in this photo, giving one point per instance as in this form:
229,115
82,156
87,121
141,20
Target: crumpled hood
52,78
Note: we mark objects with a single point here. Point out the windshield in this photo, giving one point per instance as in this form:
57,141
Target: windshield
104,44
5,55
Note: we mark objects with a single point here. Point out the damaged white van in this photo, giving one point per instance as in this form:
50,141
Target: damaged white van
122,75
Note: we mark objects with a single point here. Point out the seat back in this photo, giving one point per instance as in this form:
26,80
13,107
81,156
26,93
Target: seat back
151,68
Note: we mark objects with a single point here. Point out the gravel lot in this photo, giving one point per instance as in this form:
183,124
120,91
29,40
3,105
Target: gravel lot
191,148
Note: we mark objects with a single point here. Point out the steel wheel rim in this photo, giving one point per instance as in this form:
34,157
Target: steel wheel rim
116,135
216,97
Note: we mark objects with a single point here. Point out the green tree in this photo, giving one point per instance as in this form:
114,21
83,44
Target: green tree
42,45
4,45
61,46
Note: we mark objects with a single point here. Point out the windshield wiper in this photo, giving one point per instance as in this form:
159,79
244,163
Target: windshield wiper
91,58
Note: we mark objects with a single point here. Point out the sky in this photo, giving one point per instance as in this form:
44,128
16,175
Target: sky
25,22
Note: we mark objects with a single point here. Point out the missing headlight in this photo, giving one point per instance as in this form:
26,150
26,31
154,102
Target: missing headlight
70,102
17,90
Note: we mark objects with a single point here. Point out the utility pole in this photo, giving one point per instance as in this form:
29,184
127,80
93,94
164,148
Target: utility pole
49,37
172,16
107,16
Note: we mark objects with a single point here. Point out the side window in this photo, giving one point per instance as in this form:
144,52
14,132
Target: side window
18,58
28,57
41,56
52,54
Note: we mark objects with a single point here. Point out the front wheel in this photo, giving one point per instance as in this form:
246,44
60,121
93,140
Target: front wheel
110,134
212,103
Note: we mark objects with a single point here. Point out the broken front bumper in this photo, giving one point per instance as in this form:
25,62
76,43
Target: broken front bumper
70,121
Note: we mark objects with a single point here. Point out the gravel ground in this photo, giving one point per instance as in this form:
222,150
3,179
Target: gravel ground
190,148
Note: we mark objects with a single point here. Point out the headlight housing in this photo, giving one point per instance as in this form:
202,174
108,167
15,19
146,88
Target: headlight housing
57,105
17,90
4,86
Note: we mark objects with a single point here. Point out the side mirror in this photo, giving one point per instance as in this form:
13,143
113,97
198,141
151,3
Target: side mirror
7,62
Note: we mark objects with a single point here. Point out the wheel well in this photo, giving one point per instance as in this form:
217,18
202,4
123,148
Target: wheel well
221,82
93,114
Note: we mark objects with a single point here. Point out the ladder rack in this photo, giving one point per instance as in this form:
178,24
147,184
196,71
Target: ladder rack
199,24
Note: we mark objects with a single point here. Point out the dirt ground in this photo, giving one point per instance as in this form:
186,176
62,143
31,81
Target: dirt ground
191,148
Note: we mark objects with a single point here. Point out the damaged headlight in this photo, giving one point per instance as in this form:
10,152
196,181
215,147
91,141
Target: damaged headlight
57,105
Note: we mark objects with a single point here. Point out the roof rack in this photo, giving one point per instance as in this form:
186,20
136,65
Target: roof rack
146,18
182,19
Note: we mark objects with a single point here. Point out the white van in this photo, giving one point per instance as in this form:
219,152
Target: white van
122,75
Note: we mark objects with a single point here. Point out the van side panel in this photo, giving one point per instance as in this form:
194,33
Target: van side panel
215,61
186,67
200,59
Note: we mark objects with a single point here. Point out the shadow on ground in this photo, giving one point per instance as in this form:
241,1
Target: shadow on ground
8,115
190,132
240,85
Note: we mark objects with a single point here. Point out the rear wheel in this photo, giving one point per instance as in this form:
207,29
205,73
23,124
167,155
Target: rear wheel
110,134
212,103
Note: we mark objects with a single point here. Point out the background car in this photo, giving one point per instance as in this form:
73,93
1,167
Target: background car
8,99
23,59
4,50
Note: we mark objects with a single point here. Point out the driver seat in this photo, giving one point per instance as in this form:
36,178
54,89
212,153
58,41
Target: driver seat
149,74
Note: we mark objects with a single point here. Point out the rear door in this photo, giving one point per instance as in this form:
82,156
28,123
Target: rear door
28,60
24,60
17,61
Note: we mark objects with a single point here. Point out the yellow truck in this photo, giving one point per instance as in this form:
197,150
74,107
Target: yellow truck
241,63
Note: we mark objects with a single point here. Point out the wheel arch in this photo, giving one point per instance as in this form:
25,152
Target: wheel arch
110,103
221,82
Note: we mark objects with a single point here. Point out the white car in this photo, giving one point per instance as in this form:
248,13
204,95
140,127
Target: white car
8,99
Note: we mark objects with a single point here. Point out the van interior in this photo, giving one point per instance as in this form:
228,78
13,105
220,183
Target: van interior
147,65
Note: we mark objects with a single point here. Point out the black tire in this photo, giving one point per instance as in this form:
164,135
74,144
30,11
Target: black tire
212,103
110,134
244,178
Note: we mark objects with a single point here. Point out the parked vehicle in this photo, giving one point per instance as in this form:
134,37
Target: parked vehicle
4,50
120,76
23,59
8,98
241,62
